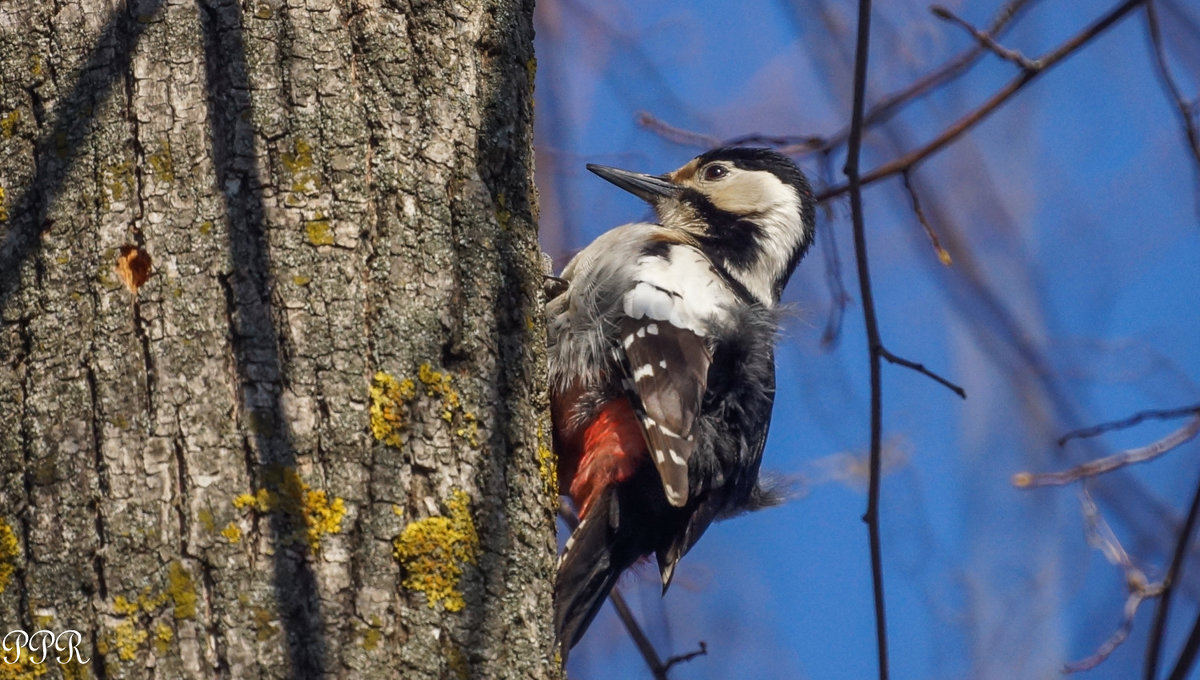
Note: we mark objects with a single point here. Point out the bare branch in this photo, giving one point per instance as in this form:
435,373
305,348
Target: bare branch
1156,414
986,40
675,134
969,121
1186,109
1158,628
920,368
1116,461
943,255
683,658
657,667
890,104
839,298
640,640
1187,657
639,636
874,346
1101,537
881,112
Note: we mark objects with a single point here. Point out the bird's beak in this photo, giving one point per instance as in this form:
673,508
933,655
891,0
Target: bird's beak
649,188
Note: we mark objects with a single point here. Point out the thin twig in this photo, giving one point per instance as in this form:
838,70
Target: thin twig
1158,628
874,346
968,121
684,658
1141,454
890,104
675,134
639,636
838,297
640,640
920,368
1124,423
658,667
1101,537
942,253
985,39
793,143
1132,602
880,112
1186,109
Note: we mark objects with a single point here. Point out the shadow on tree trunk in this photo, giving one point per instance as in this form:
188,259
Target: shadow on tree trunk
255,338
56,152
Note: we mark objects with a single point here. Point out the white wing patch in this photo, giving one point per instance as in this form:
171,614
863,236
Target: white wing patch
676,298
681,288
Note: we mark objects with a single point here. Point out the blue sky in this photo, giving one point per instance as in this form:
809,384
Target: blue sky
1072,217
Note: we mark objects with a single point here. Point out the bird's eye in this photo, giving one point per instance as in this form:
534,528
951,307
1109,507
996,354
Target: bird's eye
714,172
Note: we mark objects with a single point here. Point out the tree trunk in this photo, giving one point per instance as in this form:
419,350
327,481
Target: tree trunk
271,365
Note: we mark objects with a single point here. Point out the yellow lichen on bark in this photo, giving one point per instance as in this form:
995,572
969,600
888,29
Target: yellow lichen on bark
9,551
391,401
23,667
441,385
548,469
312,510
162,638
433,551
137,623
8,124
389,410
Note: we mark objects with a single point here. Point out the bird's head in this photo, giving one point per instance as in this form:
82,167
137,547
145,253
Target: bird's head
751,211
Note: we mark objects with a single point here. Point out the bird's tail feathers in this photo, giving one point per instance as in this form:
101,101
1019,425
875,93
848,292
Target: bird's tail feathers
586,574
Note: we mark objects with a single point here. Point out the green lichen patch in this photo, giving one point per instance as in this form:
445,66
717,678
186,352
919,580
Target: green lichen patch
160,161
503,214
182,591
263,621
456,660
434,551
163,635
206,519
117,180
3,206
312,512
372,634
8,124
298,164
10,550
319,230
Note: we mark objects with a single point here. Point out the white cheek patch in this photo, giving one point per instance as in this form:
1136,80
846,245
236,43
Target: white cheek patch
776,208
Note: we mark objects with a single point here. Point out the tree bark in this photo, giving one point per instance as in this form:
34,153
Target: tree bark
271,357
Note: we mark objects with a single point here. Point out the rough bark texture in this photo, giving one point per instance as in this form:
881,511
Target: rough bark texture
310,443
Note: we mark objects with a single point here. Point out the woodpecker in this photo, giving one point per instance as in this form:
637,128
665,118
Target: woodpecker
662,369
